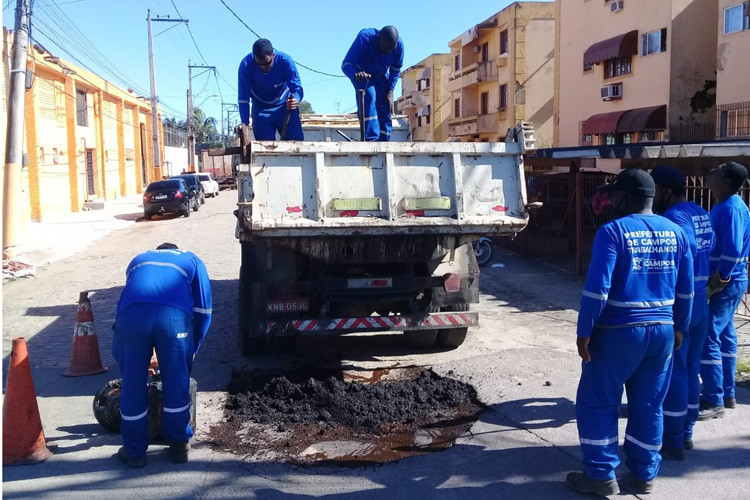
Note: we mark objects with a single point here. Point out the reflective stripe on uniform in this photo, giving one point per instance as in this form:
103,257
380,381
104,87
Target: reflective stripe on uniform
674,413
176,410
700,278
650,447
137,417
202,311
733,259
711,362
654,303
728,355
694,407
599,442
593,295
685,295
164,264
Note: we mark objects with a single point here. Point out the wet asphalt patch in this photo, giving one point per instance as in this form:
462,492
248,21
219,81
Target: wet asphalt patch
344,418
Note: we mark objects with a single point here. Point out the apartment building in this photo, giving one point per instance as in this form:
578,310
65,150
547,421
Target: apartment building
625,77
503,72
733,71
86,139
425,99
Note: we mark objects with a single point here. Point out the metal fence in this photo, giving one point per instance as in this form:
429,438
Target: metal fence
561,233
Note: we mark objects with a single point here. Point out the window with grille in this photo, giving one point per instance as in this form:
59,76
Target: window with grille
504,42
485,51
735,18
617,66
457,107
503,96
484,103
82,115
457,62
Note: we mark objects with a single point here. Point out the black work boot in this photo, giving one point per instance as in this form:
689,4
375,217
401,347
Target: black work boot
688,443
671,453
178,452
638,486
730,403
582,483
132,462
711,411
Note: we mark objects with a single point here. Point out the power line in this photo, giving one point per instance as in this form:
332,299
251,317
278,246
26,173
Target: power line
257,35
191,34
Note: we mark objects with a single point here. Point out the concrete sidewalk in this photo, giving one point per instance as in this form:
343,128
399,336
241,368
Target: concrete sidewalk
62,236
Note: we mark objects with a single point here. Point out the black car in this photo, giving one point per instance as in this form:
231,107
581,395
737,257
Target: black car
169,196
195,183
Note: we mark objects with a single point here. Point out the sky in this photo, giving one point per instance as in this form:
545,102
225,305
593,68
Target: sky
110,38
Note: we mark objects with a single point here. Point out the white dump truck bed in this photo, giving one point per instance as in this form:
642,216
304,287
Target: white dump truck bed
372,188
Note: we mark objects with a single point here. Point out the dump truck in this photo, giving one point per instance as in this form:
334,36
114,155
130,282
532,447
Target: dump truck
344,237
221,168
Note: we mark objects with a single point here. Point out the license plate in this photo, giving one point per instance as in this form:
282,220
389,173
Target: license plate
370,283
285,306
160,197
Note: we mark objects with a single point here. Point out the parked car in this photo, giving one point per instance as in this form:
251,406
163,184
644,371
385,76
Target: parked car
169,196
210,186
194,183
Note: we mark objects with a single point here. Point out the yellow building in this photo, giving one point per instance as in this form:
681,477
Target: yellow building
733,71
503,72
86,140
635,71
425,99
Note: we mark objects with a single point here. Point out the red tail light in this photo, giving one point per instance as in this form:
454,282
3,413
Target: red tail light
178,194
452,282
146,196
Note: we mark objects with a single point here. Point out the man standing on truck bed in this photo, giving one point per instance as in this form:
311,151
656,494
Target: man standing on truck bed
373,64
634,307
269,79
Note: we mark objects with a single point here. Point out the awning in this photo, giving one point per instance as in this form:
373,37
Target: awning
425,74
618,46
603,123
651,118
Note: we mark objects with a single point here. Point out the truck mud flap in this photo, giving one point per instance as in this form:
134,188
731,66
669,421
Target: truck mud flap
432,321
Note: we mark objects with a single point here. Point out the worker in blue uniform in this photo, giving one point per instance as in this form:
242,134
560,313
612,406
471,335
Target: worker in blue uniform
681,404
727,284
269,79
373,63
634,306
165,306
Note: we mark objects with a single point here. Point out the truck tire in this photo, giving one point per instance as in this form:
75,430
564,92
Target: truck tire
452,337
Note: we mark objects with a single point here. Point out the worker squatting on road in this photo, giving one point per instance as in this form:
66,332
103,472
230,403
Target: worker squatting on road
727,284
165,305
635,304
373,63
269,79
681,403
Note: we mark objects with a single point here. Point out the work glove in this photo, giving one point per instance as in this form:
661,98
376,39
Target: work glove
362,75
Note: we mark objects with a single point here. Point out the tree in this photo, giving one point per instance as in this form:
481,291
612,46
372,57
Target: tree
305,107
205,127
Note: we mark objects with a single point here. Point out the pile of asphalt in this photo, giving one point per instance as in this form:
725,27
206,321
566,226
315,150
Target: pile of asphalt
335,402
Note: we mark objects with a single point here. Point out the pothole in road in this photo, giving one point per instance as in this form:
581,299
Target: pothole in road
344,418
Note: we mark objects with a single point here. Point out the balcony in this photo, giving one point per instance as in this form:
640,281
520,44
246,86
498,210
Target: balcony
405,102
472,125
473,74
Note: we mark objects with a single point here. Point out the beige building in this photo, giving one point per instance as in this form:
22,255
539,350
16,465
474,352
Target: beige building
425,98
733,71
86,140
503,72
626,77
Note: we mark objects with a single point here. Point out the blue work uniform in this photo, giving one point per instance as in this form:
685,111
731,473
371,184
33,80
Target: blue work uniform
683,398
268,93
731,224
166,305
364,55
638,290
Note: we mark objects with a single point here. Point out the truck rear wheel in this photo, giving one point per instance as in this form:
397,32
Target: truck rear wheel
420,338
452,337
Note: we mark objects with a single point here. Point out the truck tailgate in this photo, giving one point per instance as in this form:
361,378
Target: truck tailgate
341,188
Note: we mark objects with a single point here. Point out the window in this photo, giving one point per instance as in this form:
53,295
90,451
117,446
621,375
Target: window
609,139
485,51
587,67
503,96
504,42
617,66
586,139
82,116
723,122
484,103
427,119
735,18
457,62
654,42
457,107
419,121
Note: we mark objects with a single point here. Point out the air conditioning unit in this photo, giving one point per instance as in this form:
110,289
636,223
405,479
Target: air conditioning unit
610,92
476,50
616,6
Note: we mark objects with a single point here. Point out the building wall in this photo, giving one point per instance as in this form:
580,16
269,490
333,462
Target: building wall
414,98
669,78
535,94
732,67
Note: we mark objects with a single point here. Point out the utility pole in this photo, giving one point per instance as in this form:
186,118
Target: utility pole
190,118
232,106
154,100
14,137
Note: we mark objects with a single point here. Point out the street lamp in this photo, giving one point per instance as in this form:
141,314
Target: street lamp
204,100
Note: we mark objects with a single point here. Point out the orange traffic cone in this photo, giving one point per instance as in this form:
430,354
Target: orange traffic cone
85,359
23,436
